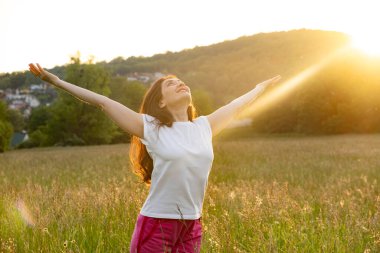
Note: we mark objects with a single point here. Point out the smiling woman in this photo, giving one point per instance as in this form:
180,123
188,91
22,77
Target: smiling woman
171,150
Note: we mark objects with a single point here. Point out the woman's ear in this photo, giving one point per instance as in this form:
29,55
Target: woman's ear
161,104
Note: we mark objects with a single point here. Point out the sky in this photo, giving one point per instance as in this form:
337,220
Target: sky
50,32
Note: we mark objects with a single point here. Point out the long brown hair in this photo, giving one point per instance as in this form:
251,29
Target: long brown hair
142,163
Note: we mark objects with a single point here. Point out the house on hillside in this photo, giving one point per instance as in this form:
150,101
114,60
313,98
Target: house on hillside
18,104
22,99
35,88
144,77
18,138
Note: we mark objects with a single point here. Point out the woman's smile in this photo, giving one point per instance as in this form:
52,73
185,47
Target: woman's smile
184,88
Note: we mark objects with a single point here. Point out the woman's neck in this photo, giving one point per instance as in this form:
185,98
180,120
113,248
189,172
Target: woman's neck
179,114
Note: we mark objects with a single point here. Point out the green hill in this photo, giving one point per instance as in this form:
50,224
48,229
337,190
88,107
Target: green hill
229,68
225,69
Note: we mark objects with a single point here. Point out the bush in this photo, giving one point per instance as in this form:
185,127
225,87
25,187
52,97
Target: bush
6,131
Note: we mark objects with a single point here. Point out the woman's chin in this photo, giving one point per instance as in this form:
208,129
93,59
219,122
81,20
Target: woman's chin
184,100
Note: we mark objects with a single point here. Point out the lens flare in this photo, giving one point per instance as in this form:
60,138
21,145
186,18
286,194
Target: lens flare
25,213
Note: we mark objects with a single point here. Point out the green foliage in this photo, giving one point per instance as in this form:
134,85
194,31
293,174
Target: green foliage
6,132
16,119
37,138
72,122
5,81
130,94
12,80
39,117
6,129
37,128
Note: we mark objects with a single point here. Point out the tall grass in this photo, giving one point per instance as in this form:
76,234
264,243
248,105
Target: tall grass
265,194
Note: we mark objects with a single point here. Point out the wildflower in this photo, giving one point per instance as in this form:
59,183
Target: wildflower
232,195
306,208
213,242
259,201
341,203
65,244
360,192
212,203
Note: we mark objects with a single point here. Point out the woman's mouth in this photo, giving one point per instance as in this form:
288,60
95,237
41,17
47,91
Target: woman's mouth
182,89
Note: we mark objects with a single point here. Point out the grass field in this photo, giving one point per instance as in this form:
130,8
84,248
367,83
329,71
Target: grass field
265,194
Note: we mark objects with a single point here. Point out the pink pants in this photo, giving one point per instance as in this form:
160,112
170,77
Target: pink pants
156,235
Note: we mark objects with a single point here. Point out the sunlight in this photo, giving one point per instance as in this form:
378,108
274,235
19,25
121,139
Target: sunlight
367,42
285,88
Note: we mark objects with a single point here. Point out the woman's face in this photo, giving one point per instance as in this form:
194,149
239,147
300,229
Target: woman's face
174,92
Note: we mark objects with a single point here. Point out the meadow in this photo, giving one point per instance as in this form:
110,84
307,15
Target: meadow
265,194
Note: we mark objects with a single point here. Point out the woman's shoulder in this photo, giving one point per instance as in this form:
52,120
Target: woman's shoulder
203,120
150,118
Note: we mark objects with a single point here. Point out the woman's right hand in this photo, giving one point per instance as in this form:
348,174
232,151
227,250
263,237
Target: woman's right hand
43,74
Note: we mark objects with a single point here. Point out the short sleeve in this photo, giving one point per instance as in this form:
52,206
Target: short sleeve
203,120
150,128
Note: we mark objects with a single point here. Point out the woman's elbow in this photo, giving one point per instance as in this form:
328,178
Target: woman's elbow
102,102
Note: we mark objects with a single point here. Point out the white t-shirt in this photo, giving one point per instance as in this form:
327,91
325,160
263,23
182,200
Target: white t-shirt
182,158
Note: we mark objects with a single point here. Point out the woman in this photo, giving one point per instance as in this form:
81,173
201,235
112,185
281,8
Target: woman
171,150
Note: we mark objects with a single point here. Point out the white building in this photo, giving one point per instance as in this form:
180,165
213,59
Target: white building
32,101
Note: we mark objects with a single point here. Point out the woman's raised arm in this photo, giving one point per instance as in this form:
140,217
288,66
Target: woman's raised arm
127,119
220,118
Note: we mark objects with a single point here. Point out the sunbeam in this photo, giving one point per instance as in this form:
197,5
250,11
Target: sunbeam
281,90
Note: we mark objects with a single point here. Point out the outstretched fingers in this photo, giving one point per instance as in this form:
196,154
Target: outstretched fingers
34,70
41,69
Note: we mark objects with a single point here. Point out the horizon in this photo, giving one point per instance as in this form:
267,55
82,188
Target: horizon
120,29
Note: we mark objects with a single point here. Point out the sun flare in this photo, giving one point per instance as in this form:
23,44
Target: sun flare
368,43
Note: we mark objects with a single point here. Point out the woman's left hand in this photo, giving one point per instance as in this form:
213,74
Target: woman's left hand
38,71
